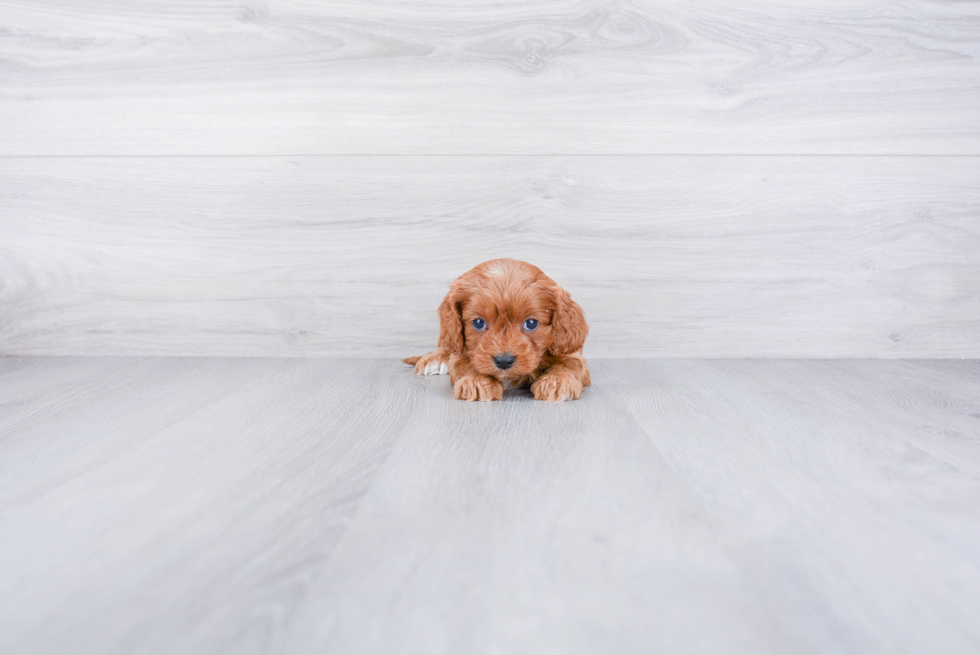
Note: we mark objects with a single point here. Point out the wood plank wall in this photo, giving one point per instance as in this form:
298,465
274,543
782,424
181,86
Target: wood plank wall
747,179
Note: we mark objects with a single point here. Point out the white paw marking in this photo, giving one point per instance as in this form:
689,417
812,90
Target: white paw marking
435,367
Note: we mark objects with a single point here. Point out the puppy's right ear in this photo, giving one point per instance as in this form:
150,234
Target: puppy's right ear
451,321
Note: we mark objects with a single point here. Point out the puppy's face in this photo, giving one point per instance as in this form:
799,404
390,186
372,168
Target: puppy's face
506,331
505,316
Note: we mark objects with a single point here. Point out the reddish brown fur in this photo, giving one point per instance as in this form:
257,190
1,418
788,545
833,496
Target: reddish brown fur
505,293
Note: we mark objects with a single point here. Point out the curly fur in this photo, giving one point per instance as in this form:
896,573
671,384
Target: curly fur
505,293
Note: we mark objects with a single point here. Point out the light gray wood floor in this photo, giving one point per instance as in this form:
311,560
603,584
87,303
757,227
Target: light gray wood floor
347,506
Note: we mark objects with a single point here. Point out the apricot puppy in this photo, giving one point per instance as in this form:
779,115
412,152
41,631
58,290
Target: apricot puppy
506,323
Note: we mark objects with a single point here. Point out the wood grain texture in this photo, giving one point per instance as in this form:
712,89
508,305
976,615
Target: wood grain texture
856,482
112,77
773,507
669,256
349,506
524,527
178,505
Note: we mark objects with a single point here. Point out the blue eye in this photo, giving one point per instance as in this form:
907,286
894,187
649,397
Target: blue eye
530,324
479,324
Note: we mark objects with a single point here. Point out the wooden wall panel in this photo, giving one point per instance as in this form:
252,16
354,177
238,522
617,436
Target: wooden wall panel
699,256
553,77
196,177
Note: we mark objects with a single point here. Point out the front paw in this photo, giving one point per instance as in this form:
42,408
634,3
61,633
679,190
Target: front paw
556,387
435,363
478,387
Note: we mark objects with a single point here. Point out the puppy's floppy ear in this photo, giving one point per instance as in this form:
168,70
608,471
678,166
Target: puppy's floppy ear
568,324
451,321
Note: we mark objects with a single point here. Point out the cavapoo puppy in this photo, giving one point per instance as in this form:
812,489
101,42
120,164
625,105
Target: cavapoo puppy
507,323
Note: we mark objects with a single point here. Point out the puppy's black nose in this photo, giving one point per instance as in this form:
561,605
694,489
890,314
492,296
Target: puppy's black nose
504,361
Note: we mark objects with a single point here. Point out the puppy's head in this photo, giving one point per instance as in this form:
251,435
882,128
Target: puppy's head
506,315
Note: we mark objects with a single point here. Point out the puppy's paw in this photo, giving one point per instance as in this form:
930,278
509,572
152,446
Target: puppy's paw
557,387
478,387
435,363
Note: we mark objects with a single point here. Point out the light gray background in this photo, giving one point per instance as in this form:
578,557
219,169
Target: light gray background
268,186
756,179
348,506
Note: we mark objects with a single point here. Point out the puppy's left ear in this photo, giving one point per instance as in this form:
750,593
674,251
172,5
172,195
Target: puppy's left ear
568,324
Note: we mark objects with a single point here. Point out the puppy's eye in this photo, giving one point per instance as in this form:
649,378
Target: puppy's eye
479,324
530,324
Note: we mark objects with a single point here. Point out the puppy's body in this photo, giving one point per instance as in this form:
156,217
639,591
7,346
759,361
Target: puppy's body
506,323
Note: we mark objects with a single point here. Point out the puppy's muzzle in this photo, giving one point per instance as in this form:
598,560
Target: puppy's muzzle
505,361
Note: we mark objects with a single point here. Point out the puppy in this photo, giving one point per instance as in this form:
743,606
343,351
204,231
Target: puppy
507,323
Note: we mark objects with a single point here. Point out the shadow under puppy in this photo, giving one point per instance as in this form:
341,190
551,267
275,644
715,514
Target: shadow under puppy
506,323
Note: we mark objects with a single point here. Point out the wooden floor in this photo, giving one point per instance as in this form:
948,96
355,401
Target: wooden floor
346,506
